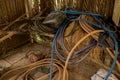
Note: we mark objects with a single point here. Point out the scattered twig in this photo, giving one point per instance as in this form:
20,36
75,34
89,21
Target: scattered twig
10,34
6,27
47,34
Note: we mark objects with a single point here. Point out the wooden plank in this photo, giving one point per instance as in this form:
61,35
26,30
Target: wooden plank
28,8
8,7
3,12
116,13
21,7
1,21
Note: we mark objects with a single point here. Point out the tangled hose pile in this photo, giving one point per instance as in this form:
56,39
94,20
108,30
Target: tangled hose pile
76,36
99,25
24,71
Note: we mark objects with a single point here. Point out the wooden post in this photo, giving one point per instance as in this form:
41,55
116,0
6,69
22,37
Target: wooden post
28,8
116,13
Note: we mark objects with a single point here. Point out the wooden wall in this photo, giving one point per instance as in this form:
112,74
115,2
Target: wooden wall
104,7
10,10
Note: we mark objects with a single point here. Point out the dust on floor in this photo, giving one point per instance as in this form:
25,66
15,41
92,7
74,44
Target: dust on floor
81,71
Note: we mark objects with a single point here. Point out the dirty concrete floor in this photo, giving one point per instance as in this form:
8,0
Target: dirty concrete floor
82,71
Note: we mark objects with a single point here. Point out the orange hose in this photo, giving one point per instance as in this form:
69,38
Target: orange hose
72,50
23,71
112,56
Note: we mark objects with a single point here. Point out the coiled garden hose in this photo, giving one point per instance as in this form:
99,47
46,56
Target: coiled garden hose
22,73
101,25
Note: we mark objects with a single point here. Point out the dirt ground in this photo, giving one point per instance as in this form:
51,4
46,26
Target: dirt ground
81,71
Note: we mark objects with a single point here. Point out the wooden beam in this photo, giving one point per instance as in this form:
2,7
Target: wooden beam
28,8
116,13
